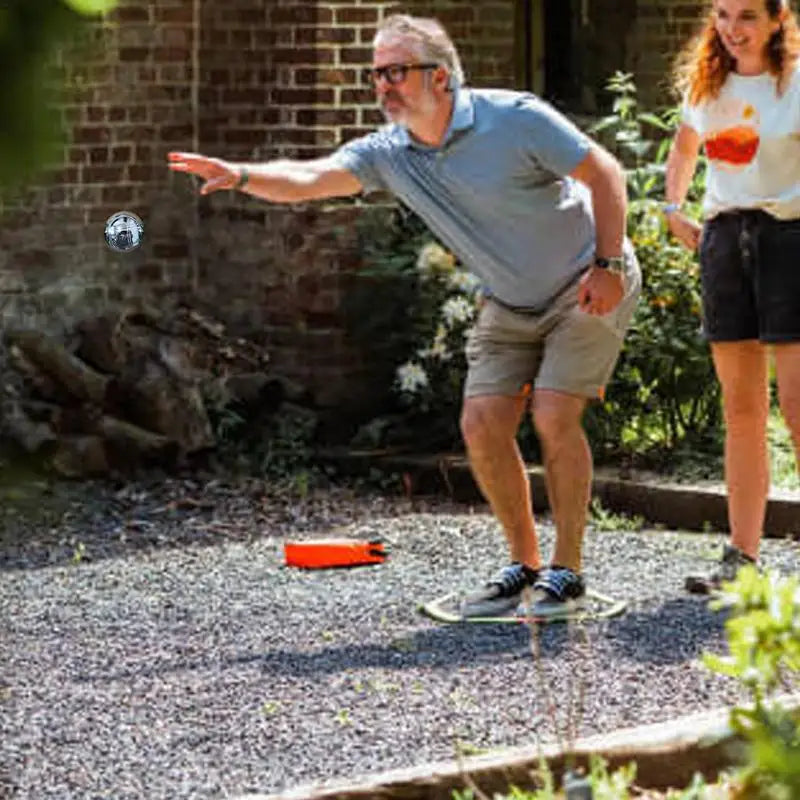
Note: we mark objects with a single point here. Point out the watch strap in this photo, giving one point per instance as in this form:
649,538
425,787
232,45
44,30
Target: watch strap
612,263
244,177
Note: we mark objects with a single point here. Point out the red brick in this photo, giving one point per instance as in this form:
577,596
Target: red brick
128,14
303,55
301,14
101,174
99,155
134,53
353,15
356,55
325,35
302,96
91,134
183,13
326,77
326,116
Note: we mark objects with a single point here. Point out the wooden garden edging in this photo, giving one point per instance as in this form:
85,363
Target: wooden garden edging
667,755
674,505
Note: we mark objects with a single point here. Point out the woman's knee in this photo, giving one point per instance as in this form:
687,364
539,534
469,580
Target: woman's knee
790,408
746,409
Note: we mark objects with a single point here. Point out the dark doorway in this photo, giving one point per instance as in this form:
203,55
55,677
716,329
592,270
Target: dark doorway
562,68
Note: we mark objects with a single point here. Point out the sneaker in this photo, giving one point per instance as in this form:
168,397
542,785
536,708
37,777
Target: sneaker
557,593
732,560
501,594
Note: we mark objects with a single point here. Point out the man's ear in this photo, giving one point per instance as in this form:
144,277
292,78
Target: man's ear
443,79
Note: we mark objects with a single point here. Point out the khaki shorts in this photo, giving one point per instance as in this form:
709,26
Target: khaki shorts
563,348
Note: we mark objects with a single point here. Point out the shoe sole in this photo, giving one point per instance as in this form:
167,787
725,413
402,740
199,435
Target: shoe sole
445,609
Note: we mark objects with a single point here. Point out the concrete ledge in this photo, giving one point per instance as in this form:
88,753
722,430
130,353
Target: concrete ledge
667,755
660,502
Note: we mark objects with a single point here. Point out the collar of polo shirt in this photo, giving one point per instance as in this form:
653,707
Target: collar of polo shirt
463,117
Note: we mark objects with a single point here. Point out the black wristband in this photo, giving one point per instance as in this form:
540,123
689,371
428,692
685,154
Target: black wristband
244,177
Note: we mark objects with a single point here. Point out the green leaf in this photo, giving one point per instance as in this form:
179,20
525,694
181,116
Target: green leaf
91,7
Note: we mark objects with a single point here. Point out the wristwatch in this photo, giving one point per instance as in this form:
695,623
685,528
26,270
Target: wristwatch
612,263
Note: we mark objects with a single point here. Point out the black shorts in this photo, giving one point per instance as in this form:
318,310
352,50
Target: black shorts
750,273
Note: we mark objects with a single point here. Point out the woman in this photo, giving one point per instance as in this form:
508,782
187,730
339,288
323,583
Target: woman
740,79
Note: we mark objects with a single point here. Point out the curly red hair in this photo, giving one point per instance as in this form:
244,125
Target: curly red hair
704,64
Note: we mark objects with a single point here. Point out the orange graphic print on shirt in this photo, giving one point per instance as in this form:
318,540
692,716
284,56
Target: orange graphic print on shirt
735,145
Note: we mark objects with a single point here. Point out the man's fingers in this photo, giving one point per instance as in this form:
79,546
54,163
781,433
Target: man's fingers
176,156
215,184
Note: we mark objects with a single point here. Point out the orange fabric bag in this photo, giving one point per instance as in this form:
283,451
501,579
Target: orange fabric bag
324,553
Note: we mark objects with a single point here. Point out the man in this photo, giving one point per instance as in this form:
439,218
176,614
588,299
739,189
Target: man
537,211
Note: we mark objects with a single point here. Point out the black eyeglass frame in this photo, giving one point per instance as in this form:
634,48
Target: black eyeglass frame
394,74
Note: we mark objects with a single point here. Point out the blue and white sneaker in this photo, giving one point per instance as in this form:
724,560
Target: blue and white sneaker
502,594
558,593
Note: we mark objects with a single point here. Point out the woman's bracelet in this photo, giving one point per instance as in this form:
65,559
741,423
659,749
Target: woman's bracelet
670,208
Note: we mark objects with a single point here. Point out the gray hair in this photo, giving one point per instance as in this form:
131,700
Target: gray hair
430,39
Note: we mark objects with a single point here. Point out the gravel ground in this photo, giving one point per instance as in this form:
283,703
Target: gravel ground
152,645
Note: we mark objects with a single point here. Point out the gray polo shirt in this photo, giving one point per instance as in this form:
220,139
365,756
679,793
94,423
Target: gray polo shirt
496,192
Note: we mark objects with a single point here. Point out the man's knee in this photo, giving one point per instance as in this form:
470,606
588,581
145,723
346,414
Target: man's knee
556,417
489,419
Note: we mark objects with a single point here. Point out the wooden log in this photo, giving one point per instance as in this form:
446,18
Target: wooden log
134,444
165,406
80,457
36,382
667,756
34,437
55,361
99,344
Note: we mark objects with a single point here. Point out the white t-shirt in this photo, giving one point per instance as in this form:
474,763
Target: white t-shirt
751,137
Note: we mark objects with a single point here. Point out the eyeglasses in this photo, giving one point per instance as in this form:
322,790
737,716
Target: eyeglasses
393,73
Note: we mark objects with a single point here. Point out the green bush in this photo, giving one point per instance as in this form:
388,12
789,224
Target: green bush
413,344
763,635
663,400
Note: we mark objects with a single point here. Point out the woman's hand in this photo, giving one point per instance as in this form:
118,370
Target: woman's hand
685,230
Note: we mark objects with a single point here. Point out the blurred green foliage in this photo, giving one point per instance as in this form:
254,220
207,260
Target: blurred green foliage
32,33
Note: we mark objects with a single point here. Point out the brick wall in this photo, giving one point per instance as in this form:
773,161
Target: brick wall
662,28
244,80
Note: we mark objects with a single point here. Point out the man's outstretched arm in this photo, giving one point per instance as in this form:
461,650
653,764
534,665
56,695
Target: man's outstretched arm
284,181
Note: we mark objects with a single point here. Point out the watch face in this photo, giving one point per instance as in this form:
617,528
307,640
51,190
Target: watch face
611,264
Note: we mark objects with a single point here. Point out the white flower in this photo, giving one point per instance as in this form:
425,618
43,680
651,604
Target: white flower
457,309
438,348
464,282
411,377
433,258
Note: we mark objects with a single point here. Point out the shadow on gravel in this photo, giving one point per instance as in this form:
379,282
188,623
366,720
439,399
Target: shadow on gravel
437,648
673,632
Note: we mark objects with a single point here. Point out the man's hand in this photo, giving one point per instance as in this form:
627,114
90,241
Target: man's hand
685,230
216,173
600,291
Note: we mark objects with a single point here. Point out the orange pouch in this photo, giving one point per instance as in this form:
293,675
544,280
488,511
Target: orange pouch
322,553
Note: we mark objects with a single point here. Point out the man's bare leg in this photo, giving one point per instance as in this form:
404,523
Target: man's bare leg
568,469
489,426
